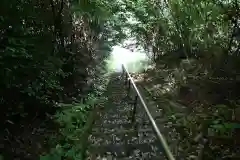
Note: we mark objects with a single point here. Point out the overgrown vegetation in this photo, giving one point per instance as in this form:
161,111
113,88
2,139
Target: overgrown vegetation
195,46
54,51
75,122
51,52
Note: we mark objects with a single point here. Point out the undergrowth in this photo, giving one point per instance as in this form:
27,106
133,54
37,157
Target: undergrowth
206,129
68,143
74,122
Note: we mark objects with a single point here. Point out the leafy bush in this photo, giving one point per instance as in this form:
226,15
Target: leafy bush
74,122
52,51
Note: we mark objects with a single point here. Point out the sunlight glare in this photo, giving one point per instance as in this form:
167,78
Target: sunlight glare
134,61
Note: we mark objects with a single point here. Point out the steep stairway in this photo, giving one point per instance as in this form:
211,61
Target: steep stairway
114,136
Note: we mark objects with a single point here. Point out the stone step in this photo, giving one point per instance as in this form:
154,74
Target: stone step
124,109
127,123
114,112
162,157
132,137
114,128
101,126
113,107
123,131
109,131
143,151
114,116
124,128
143,156
124,116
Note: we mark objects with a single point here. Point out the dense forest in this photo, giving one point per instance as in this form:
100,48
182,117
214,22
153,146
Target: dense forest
51,51
195,45
53,57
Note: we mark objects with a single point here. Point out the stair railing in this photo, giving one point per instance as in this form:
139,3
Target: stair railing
129,82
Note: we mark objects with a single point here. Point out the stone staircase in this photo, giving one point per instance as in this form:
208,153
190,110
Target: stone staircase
113,135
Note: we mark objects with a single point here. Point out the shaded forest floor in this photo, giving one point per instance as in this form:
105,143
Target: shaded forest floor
28,138
189,135
192,118
58,136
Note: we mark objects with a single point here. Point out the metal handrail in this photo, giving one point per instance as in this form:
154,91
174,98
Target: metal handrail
156,129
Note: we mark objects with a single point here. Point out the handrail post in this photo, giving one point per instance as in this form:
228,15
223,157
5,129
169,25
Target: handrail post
134,122
134,109
126,78
129,87
123,71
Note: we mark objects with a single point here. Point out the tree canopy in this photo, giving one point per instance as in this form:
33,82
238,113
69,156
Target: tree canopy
55,50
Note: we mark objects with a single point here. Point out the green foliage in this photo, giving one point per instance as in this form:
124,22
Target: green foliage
44,55
74,122
62,152
72,119
54,51
197,43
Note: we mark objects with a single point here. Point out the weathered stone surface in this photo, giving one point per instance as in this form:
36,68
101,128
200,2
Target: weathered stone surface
114,136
